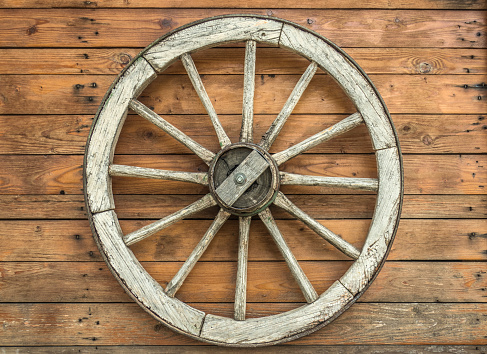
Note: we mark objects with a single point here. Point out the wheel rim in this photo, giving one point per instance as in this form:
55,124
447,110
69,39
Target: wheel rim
99,168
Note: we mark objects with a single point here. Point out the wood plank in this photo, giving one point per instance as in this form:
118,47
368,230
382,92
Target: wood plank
139,27
64,134
398,282
271,61
62,174
119,324
72,94
335,4
64,207
72,241
277,349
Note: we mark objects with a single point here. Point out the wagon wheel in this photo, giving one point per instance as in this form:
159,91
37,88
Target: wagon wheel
243,180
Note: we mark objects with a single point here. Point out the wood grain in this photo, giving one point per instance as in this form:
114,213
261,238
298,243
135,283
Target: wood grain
429,174
72,94
66,134
63,207
71,240
139,27
278,349
453,282
118,324
335,4
423,61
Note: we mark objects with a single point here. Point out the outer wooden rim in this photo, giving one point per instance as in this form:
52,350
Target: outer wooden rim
99,201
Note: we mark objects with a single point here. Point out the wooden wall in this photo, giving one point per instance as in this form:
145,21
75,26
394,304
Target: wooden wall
427,59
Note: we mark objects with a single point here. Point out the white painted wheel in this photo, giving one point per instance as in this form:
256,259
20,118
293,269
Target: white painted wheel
229,187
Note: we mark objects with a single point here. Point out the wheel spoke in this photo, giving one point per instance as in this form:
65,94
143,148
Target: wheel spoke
286,111
246,133
149,230
143,172
144,111
198,251
283,202
365,184
241,286
341,127
298,274
188,64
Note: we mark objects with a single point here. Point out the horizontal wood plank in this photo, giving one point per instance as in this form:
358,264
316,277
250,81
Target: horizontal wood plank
335,4
92,281
70,94
127,324
424,61
72,241
139,27
277,349
63,134
62,207
58,174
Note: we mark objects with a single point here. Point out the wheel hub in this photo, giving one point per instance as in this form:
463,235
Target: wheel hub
243,179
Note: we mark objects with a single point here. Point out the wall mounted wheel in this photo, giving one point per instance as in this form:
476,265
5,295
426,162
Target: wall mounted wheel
243,179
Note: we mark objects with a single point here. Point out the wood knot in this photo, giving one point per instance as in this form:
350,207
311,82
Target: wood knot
427,140
425,68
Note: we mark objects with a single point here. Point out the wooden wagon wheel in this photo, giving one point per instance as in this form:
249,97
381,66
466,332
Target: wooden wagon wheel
243,180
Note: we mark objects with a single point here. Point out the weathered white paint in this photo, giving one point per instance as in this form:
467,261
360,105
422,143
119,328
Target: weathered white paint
283,202
144,111
241,282
149,230
195,78
365,184
144,172
348,77
198,251
251,168
210,34
104,137
383,223
132,276
265,330
304,284
137,282
293,99
246,133
335,130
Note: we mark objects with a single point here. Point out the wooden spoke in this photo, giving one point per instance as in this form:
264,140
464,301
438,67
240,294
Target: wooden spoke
246,134
143,172
364,184
188,64
144,111
149,230
198,251
298,274
341,127
283,202
241,287
286,111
